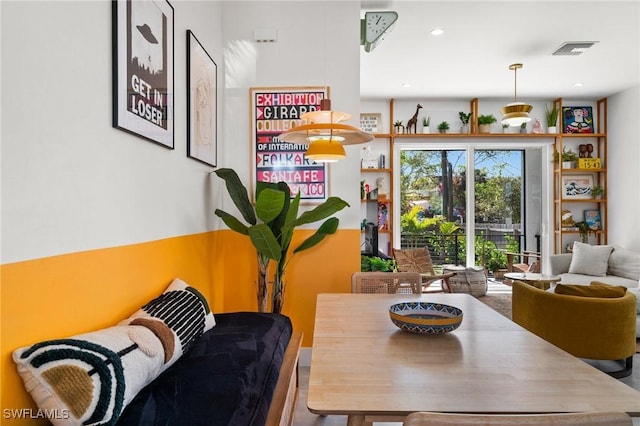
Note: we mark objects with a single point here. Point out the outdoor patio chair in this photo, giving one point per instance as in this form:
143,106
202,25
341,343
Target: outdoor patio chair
600,418
386,282
529,262
419,260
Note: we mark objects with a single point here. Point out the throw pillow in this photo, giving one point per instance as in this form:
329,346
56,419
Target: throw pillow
624,263
590,260
594,290
91,377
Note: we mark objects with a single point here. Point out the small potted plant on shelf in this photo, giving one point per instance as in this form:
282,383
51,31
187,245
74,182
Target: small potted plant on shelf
464,119
443,127
505,128
485,122
523,128
597,192
585,230
568,158
398,127
425,124
551,115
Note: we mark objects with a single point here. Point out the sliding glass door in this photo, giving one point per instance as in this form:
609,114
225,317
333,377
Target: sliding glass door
469,204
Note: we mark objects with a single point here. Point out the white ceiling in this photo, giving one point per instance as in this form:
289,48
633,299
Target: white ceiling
482,38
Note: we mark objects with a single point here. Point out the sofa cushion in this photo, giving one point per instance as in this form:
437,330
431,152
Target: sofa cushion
92,376
590,260
586,279
624,263
228,376
593,290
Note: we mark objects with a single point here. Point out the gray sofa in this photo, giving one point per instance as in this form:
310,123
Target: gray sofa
607,264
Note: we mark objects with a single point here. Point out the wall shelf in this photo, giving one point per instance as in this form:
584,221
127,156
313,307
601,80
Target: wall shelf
562,236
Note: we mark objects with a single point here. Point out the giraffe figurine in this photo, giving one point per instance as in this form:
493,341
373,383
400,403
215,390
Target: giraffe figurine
413,121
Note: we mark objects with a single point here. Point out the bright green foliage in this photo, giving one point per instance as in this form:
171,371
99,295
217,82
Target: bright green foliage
278,214
372,264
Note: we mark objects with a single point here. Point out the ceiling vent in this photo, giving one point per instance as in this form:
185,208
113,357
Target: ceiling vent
572,48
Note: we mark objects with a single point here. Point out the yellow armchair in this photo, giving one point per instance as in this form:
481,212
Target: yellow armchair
586,327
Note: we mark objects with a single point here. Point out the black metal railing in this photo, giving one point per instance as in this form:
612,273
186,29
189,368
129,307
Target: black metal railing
451,249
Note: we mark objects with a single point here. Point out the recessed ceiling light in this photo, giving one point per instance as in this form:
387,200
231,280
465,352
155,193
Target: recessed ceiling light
406,84
437,31
578,84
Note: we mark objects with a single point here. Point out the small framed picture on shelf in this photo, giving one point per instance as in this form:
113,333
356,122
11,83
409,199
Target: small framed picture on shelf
577,119
576,187
592,217
371,122
383,216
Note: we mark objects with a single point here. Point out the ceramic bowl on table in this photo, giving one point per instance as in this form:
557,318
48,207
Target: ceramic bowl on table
425,317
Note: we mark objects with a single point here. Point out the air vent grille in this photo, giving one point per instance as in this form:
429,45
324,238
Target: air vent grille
572,48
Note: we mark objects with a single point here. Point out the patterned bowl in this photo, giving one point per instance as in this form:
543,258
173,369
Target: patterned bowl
425,317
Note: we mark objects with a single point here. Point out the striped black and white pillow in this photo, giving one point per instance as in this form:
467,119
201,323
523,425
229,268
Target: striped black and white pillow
89,378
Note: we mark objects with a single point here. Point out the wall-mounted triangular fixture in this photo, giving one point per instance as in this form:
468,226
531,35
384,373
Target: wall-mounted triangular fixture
374,26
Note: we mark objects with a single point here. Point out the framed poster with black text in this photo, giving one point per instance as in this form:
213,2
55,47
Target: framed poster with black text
201,103
143,64
275,110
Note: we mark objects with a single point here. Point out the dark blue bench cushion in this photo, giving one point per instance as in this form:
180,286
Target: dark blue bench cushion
226,378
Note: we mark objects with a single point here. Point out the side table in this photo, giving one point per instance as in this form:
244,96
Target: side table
541,281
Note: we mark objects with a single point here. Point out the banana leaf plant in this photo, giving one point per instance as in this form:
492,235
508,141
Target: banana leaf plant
270,228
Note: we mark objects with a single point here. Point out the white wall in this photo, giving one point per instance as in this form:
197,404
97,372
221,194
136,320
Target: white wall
304,55
71,182
623,170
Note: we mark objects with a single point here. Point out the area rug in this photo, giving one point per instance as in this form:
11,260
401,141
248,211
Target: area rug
500,302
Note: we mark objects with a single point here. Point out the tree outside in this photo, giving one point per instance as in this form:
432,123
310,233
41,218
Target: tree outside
433,192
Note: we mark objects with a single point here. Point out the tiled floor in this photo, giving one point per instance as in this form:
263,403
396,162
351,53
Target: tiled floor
304,418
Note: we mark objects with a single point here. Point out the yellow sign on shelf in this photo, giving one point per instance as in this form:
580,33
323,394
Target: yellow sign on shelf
589,163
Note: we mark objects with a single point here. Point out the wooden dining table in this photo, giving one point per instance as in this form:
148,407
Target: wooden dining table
364,367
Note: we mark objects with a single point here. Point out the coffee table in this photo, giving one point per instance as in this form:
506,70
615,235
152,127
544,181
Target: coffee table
541,281
364,367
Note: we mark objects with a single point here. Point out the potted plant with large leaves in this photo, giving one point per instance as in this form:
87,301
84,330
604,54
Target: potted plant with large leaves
270,228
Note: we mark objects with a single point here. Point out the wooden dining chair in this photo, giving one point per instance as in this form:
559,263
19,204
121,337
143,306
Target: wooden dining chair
386,282
600,418
419,260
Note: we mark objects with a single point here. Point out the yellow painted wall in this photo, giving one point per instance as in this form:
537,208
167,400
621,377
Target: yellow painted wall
63,295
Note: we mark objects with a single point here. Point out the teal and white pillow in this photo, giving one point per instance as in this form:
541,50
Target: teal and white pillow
91,377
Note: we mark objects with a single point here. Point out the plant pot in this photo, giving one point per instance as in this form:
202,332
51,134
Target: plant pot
442,131
464,129
552,129
568,164
426,129
499,273
484,128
